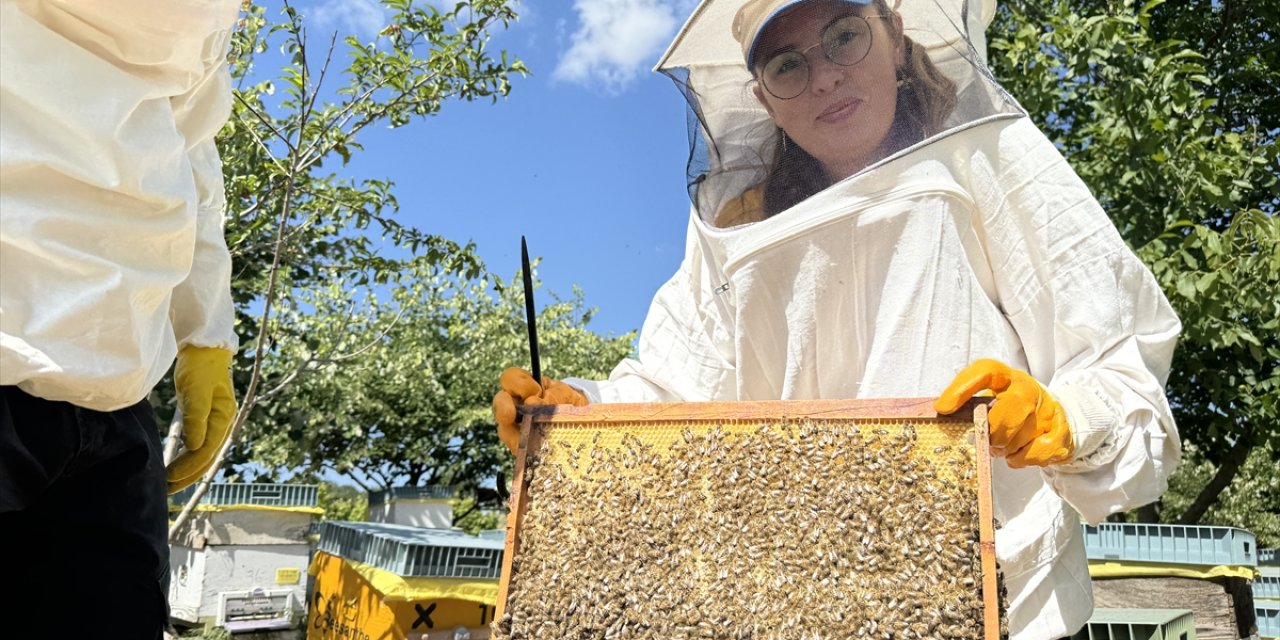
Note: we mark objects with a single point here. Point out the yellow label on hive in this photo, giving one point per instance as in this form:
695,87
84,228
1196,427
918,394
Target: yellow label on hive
288,575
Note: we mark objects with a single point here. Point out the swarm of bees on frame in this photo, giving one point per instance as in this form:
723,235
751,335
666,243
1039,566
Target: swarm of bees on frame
799,531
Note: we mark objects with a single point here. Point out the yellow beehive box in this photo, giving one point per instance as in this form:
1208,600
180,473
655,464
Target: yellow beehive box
398,582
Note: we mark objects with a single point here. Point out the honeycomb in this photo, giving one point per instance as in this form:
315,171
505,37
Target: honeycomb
747,528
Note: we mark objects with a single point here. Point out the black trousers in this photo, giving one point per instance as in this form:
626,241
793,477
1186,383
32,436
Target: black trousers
83,521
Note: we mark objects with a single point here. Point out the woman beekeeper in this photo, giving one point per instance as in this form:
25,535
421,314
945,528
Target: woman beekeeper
873,214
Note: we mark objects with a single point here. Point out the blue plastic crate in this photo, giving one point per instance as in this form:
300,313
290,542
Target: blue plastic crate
414,551
254,493
1269,557
1139,624
1267,587
1171,543
437,492
1268,613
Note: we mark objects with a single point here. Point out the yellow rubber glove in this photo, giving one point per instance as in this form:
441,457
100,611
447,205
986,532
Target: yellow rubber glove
1028,427
519,388
203,380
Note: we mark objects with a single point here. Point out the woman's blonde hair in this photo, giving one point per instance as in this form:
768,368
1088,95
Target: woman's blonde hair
925,100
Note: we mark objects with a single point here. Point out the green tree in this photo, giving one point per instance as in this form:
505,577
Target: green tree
209,632
1167,112
470,516
1252,501
407,401
294,225
342,502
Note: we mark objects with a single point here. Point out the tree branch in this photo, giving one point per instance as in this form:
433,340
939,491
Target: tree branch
387,481
250,395
1227,471
267,123
475,504
354,479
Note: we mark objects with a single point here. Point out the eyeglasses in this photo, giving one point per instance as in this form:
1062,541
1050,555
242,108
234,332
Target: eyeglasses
846,41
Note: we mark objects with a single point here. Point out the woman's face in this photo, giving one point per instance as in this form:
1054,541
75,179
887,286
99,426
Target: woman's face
845,112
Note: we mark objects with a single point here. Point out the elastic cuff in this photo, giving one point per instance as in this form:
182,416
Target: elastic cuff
590,389
1093,428
233,346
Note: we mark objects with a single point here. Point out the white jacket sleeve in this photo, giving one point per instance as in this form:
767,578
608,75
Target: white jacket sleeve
201,310
1097,330
685,346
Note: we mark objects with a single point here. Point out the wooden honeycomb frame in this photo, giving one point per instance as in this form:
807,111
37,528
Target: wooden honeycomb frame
640,416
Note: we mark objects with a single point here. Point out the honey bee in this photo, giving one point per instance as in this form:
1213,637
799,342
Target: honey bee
736,530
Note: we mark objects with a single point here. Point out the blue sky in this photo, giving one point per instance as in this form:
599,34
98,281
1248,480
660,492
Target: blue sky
586,157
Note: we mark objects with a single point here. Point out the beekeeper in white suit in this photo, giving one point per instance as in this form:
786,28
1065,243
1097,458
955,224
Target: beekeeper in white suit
875,217
112,262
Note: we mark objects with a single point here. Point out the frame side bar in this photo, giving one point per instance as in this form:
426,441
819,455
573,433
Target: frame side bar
986,530
530,438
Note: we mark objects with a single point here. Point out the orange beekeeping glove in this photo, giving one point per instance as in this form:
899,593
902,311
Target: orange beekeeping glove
518,387
1028,426
207,403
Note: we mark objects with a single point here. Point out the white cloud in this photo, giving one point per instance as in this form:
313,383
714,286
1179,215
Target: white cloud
615,41
364,18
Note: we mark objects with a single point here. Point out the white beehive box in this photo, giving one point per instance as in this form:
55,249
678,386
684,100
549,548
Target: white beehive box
426,507
241,560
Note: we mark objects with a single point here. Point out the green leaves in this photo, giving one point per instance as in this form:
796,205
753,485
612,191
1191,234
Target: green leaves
274,151
1251,502
1136,114
310,246
400,378
1162,109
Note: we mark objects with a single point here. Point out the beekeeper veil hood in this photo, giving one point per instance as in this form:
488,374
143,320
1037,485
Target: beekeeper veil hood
788,97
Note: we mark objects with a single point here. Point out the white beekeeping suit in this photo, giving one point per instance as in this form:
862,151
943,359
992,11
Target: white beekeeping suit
968,236
112,265
111,246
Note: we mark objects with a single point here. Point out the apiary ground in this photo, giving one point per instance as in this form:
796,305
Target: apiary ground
748,529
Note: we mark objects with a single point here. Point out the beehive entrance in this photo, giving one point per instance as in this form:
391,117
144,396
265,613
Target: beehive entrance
746,520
